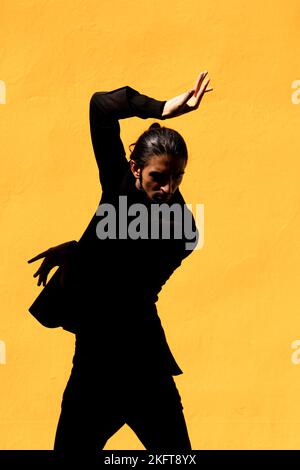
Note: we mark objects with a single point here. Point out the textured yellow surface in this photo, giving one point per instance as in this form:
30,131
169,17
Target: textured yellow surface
231,312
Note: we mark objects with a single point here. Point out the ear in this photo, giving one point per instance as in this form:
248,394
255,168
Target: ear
135,169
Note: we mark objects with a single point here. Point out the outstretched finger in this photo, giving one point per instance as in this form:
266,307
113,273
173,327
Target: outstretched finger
41,255
201,93
43,268
39,272
199,81
43,273
42,279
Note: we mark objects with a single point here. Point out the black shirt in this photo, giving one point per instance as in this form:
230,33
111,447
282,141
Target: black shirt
117,281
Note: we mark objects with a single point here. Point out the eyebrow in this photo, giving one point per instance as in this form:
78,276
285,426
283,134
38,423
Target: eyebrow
164,172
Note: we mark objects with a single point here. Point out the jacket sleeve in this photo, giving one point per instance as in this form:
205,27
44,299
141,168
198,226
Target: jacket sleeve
106,108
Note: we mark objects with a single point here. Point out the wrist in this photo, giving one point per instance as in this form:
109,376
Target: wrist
164,111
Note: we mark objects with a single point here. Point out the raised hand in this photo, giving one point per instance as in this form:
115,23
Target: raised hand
189,100
54,256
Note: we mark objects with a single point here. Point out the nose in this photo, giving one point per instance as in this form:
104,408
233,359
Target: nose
168,187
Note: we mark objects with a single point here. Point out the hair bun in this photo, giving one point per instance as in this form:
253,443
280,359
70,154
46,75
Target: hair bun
155,125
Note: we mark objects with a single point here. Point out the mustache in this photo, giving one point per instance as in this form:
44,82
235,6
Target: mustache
160,196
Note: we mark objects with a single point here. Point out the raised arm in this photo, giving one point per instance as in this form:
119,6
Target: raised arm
106,108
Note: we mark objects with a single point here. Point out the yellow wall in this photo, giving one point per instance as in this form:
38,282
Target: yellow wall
232,312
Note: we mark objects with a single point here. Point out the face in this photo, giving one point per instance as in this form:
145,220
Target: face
160,177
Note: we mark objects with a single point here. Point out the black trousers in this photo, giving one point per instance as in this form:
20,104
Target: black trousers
92,411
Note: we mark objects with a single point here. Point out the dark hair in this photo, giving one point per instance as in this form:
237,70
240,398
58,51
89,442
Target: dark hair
158,141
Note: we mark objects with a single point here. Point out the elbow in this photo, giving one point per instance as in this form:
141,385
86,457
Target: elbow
97,100
93,98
